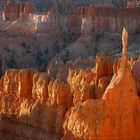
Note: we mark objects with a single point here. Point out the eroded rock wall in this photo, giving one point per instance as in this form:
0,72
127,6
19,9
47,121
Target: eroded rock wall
29,103
13,11
105,18
111,19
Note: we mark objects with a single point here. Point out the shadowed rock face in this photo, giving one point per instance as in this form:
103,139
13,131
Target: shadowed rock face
88,104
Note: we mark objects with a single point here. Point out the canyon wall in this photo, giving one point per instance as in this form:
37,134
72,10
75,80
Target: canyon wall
89,18
13,11
111,19
133,4
52,21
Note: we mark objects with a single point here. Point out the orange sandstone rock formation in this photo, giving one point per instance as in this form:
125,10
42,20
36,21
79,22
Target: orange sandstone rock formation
91,84
133,4
110,117
28,8
88,18
14,11
111,19
89,104
28,100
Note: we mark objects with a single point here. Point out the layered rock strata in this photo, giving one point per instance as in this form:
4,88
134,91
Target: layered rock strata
14,11
111,19
83,19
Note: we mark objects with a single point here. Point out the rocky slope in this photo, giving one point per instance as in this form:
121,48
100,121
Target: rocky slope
98,102
48,39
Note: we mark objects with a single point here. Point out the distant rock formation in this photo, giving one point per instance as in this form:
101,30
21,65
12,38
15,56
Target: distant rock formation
133,4
90,18
13,11
105,18
111,19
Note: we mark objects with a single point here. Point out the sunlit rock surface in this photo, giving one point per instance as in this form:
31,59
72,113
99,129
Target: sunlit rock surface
93,103
111,116
26,100
64,84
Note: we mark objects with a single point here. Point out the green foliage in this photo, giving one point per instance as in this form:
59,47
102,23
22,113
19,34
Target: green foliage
24,45
95,37
106,53
137,52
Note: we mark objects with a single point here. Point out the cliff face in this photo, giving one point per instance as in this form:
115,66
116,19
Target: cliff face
133,4
110,19
87,19
84,19
13,11
51,22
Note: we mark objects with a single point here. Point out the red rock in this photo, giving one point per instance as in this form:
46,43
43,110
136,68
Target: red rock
26,83
28,8
13,11
40,83
59,93
99,17
133,4
91,84
87,26
24,99
110,18
87,104
104,67
110,117
82,85
102,85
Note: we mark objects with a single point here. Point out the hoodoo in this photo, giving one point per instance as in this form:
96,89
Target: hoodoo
111,116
